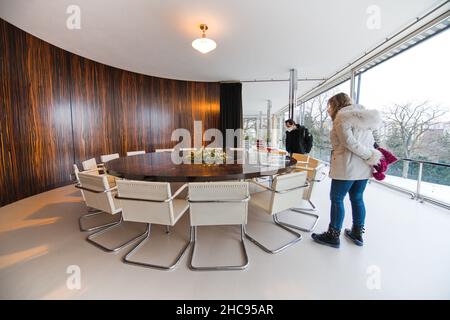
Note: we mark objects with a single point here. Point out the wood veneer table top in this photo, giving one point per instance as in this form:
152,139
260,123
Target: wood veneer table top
160,167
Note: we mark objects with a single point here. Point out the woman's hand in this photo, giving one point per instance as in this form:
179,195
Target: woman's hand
374,158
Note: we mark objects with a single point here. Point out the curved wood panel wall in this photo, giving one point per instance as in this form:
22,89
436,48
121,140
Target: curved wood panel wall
59,108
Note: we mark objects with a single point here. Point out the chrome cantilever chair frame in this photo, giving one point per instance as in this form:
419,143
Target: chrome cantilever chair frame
127,257
307,211
91,211
278,223
305,162
193,236
91,237
297,210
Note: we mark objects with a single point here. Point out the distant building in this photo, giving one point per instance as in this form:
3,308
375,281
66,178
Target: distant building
444,126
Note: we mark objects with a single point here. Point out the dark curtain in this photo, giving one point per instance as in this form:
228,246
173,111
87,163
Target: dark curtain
230,107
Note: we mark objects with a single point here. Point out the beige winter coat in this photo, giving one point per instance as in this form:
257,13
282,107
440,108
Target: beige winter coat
353,155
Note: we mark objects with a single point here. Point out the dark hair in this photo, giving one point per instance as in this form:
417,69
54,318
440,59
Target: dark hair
290,122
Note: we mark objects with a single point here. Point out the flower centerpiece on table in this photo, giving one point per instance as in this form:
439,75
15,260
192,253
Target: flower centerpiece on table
208,156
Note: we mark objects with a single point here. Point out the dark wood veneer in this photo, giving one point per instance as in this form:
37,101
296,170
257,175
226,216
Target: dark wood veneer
58,108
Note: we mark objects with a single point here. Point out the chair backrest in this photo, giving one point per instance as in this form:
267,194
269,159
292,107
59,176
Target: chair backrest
134,153
314,175
76,171
302,159
164,150
314,169
188,149
108,157
218,203
139,201
289,189
95,192
89,164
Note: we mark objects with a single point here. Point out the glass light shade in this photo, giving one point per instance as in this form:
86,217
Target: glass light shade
204,45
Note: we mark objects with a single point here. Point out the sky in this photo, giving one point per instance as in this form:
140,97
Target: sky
418,74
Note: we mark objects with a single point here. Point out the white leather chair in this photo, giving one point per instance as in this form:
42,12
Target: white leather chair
164,150
99,194
135,153
151,203
315,170
218,203
284,194
91,211
108,157
76,171
91,164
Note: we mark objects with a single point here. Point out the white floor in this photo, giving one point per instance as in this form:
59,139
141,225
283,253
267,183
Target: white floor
406,256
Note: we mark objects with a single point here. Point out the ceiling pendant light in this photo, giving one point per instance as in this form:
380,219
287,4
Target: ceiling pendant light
203,44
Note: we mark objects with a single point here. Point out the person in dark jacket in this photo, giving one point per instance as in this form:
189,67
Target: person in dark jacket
295,138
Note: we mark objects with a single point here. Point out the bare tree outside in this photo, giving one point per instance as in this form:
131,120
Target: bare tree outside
407,126
317,119
250,130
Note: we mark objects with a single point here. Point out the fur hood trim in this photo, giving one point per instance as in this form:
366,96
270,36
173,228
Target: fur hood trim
357,116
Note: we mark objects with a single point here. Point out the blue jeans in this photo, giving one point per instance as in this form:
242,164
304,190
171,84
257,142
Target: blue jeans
339,189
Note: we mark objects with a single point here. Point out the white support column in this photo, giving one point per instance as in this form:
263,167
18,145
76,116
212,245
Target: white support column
352,85
292,91
269,124
260,133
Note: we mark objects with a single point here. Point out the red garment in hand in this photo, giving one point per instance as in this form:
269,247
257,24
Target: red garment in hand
387,159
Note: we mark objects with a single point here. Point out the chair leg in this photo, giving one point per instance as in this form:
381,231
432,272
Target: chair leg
302,211
126,259
313,207
93,212
216,268
94,235
287,245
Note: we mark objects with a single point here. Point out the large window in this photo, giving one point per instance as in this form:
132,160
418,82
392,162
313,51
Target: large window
317,120
259,99
411,91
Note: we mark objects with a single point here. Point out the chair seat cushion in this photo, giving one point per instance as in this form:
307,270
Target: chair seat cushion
253,188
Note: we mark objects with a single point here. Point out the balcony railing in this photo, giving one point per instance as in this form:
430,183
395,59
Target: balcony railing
432,185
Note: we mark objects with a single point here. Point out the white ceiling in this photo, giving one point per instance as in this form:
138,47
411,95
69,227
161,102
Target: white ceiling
256,39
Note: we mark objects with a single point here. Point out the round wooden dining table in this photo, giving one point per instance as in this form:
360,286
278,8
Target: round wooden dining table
160,166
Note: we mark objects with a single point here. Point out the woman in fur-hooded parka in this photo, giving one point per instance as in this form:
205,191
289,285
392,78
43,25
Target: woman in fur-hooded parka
353,155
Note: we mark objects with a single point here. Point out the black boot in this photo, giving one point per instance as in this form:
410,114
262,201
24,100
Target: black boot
329,238
355,235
